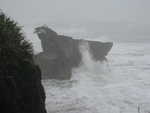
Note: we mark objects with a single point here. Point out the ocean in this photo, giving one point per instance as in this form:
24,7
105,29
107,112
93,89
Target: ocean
120,85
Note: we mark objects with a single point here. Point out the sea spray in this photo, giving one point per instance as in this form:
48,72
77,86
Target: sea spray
89,68
98,88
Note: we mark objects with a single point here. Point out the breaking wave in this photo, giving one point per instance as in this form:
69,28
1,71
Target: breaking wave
120,85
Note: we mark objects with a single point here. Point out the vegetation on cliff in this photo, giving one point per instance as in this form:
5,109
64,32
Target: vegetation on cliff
20,79
12,40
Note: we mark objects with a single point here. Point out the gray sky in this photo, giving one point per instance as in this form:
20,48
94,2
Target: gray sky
34,11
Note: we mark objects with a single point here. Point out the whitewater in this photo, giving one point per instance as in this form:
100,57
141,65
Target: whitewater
120,85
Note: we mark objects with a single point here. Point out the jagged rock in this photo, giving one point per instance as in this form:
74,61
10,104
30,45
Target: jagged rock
61,53
21,90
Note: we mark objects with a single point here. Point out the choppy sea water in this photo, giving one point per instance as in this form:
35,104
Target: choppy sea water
121,85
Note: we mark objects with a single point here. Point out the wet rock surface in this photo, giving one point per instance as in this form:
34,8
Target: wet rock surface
62,53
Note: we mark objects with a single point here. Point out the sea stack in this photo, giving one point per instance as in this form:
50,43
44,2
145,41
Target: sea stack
62,53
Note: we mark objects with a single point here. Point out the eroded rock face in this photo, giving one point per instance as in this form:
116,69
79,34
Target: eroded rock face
61,53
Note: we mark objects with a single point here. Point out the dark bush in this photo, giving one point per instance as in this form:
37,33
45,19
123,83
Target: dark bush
21,90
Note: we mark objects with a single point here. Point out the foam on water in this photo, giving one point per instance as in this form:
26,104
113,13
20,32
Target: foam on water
121,85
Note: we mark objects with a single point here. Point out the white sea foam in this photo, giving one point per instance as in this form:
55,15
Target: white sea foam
120,85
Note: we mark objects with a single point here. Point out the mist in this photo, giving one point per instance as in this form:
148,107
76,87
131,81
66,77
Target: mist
128,18
26,11
93,54
120,20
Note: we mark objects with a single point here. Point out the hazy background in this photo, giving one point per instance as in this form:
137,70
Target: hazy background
121,85
120,20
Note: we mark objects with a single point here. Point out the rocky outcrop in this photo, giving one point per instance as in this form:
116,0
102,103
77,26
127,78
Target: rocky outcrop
61,53
21,90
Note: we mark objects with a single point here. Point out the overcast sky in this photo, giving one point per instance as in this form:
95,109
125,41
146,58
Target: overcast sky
29,11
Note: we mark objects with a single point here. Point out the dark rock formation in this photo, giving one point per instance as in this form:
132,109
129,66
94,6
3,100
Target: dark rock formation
21,90
61,53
